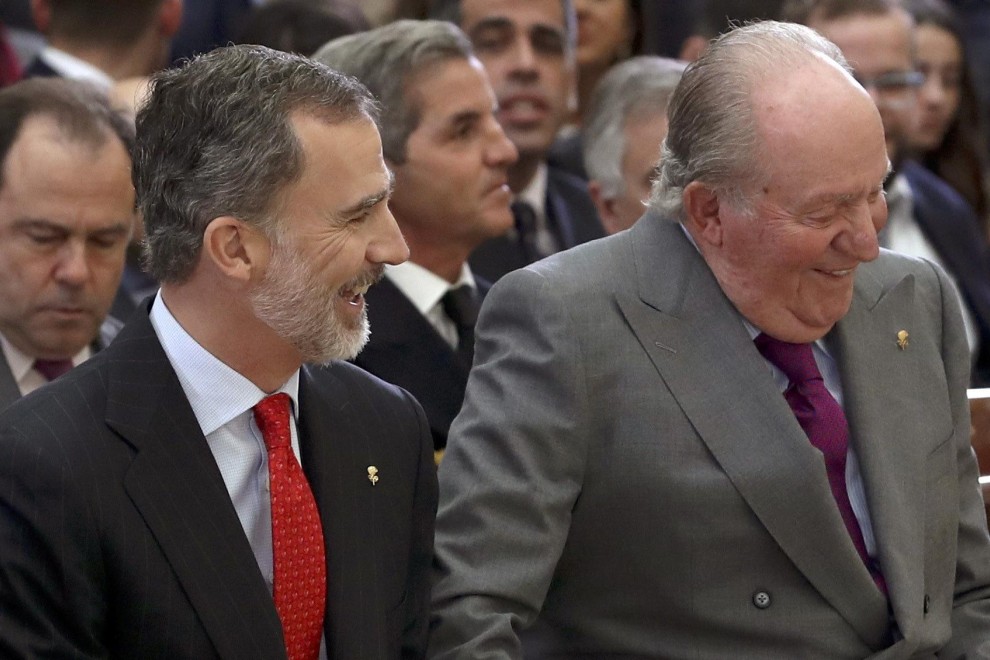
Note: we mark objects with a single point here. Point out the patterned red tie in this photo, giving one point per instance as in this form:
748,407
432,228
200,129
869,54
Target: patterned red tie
824,422
297,536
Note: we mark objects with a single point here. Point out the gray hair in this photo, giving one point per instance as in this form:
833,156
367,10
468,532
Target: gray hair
387,60
450,10
712,133
215,139
638,87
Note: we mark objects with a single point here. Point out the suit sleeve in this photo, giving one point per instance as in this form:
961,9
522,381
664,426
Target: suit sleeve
51,579
970,618
513,469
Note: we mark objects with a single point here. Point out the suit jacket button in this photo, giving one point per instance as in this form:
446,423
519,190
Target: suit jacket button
762,599
928,602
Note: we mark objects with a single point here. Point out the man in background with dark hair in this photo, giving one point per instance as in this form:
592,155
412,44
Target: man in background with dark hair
193,491
101,41
66,212
527,47
450,159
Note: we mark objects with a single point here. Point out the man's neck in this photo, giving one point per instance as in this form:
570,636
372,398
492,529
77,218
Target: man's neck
225,326
522,172
140,59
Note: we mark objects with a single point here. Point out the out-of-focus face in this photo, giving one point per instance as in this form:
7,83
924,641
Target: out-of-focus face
940,58
452,186
605,29
335,235
878,47
643,133
789,265
523,45
66,212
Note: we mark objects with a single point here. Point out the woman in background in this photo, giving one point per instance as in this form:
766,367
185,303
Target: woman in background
947,137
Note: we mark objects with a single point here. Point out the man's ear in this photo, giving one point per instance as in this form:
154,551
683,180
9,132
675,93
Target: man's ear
41,13
170,17
605,206
693,48
237,250
702,213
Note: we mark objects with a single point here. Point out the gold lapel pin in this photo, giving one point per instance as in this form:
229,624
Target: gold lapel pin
372,474
902,339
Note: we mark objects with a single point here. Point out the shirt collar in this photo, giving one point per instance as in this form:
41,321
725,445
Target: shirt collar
422,287
216,393
70,66
535,194
21,363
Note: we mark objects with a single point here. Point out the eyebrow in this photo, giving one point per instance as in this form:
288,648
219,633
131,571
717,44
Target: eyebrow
371,200
490,23
845,198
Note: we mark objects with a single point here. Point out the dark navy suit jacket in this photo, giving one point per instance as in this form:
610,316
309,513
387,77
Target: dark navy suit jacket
572,217
951,226
118,538
407,351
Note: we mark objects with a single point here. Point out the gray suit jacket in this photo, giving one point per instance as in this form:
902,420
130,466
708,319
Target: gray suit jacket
625,480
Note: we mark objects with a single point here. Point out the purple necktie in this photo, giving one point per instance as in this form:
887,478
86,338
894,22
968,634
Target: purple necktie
52,369
822,419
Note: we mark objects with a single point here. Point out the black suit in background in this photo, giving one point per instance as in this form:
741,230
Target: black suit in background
406,350
570,213
118,537
950,225
38,68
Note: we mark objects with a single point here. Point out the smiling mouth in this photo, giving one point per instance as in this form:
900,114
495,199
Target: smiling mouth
837,273
354,292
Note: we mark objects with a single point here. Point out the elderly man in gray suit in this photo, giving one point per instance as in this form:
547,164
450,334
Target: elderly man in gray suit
739,429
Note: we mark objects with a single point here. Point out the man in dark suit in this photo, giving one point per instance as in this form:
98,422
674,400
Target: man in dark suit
449,156
103,42
66,212
152,503
737,430
927,217
527,47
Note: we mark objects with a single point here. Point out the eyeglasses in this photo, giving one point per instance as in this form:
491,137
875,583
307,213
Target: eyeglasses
893,82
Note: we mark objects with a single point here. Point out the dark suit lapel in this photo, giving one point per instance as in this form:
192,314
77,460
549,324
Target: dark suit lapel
882,386
690,330
9,391
407,351
175,484
336,453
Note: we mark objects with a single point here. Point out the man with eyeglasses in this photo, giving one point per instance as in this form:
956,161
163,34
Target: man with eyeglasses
927,218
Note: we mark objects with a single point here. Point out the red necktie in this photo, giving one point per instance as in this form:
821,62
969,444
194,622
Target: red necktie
297,536
824,422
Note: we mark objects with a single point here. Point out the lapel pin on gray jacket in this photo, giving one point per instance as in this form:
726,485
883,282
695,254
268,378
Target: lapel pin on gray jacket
902,339
372,474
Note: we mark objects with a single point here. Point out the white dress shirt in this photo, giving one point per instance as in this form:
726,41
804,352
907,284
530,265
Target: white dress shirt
70,66
222,400
425,290
535,194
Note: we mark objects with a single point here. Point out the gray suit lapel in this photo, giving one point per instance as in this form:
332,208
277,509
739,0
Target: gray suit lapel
879,380
688,327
